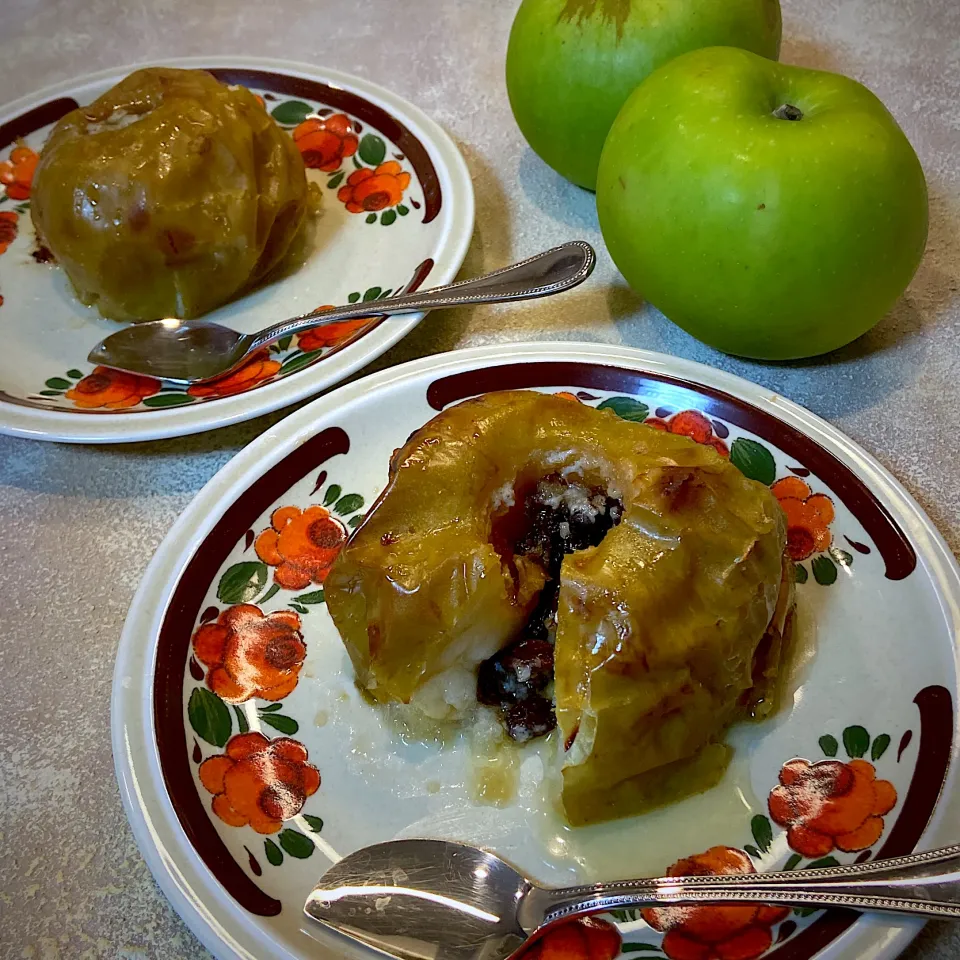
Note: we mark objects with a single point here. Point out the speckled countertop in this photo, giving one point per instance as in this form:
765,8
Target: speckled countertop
78,524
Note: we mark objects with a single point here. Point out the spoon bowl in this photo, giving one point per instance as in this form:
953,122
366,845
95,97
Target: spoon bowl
422,893
184,351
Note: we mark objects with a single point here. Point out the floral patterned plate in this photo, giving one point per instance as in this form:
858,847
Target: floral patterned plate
397,214
247,761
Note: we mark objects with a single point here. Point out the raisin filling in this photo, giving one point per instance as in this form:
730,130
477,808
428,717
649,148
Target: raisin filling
559,517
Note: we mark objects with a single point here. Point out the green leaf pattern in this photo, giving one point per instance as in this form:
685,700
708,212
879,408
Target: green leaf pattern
273,852
242,723
753,460
372,149
351,503
242,582
286,725
315,596
762,832
856,741
626,408
829,745
168,400
291,112
824,570
209,717
296,844
879,747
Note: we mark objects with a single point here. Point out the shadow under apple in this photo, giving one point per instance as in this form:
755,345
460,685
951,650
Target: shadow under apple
558,198
889,358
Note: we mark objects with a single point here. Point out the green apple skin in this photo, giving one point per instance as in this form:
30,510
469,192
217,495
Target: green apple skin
571,64
764,237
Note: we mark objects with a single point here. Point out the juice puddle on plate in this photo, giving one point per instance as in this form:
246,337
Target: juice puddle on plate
474,786
646,844
509,802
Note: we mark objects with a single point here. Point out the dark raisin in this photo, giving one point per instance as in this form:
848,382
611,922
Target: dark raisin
515,678
544,617
534,717
491,679
531,662
515,673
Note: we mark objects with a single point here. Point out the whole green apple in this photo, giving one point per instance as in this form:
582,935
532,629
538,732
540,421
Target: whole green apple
772,211
571,64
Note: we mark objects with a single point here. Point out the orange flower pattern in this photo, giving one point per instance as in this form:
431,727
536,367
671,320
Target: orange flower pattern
112,389
248,653
8,229
369,190
259,782
726,931
301,545
693,424
16,174
330,335
809,516
256,370
831,805
587,939
325,143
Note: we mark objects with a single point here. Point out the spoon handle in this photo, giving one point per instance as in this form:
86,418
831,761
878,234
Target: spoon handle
552,271
922,884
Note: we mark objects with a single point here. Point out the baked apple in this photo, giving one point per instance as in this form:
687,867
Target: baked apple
168,195
550,559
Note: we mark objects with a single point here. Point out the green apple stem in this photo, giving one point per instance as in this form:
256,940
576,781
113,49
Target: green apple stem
787,111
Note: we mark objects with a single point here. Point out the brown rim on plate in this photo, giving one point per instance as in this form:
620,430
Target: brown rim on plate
35,119
173,648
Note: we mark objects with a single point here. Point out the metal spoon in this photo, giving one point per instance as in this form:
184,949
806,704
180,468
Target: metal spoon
435,899
193,351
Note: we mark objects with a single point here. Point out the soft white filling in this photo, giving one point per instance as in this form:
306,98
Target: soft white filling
449,695
504,496
118,119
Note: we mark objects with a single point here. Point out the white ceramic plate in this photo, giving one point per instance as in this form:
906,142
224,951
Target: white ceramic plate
412,230
236,850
